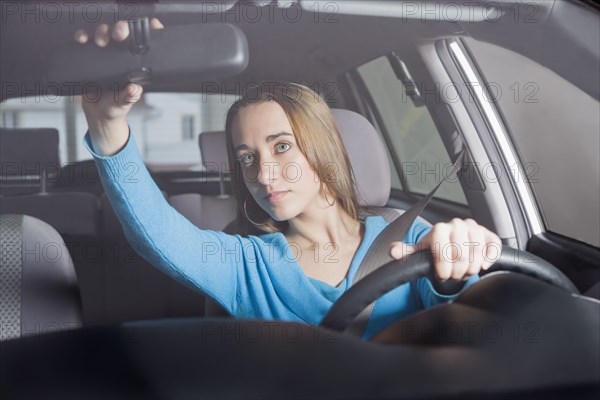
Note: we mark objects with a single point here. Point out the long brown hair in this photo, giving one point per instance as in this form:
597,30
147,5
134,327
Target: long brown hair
318,138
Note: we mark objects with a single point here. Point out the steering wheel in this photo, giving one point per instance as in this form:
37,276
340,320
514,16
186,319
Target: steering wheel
419,265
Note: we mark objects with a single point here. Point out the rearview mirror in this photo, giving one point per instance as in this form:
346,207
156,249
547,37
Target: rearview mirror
174,55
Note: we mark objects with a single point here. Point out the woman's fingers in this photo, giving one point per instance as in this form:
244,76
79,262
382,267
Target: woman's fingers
119,32
492,250
440,237
81,36
156,24
462,248
399,250
133,93
101,37
475,247
459,257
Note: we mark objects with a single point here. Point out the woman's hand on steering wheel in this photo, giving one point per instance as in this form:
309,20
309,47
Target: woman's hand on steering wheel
460,248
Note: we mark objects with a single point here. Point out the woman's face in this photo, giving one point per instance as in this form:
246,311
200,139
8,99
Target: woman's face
272,163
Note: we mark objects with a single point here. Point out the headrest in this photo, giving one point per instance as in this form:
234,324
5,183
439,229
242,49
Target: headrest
27,152
367,156
213,150
364,146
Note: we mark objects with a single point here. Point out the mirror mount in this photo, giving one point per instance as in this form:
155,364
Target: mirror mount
140,35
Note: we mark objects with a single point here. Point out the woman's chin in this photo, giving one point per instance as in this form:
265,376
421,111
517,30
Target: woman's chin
280,214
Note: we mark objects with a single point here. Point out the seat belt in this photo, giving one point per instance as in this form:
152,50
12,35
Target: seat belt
379,253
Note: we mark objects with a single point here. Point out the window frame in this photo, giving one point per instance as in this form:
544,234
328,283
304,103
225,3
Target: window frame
525,227
184,135
357,97
16,116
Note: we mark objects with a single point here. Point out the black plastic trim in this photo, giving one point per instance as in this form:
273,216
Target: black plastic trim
438,210
579,261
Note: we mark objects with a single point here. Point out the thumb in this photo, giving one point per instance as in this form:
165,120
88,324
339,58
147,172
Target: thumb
400,250
132,93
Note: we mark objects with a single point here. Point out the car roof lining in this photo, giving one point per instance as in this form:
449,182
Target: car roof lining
308,52
324,51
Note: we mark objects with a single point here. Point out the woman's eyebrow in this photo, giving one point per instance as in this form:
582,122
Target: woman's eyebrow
269,138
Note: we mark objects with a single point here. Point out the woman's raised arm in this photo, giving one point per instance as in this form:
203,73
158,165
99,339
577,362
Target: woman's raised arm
106,114
211,261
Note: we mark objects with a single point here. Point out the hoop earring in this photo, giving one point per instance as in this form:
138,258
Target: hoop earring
246,212
327,200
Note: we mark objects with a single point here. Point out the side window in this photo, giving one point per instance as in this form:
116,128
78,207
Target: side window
415,140
555,126
165,125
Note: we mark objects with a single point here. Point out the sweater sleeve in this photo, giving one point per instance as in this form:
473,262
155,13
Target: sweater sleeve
210,261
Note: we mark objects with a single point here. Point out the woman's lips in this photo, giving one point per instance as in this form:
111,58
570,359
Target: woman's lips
275,197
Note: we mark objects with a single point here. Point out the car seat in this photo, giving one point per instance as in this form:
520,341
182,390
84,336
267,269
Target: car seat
38,286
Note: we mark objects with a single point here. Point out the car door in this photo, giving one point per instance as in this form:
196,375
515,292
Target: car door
528,121
384,91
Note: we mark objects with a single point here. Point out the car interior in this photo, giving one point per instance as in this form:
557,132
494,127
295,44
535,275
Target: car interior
66,263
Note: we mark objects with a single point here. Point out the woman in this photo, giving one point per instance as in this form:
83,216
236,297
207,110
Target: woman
290,212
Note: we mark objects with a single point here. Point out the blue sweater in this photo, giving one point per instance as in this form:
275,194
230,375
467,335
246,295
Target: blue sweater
251,277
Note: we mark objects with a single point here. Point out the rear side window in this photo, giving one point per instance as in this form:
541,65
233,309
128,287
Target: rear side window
556,128
415,139
165,125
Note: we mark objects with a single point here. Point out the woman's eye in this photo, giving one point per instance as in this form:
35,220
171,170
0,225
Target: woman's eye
279,146
246,158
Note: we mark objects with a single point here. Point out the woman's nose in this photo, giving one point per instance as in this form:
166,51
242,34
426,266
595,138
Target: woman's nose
268,172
